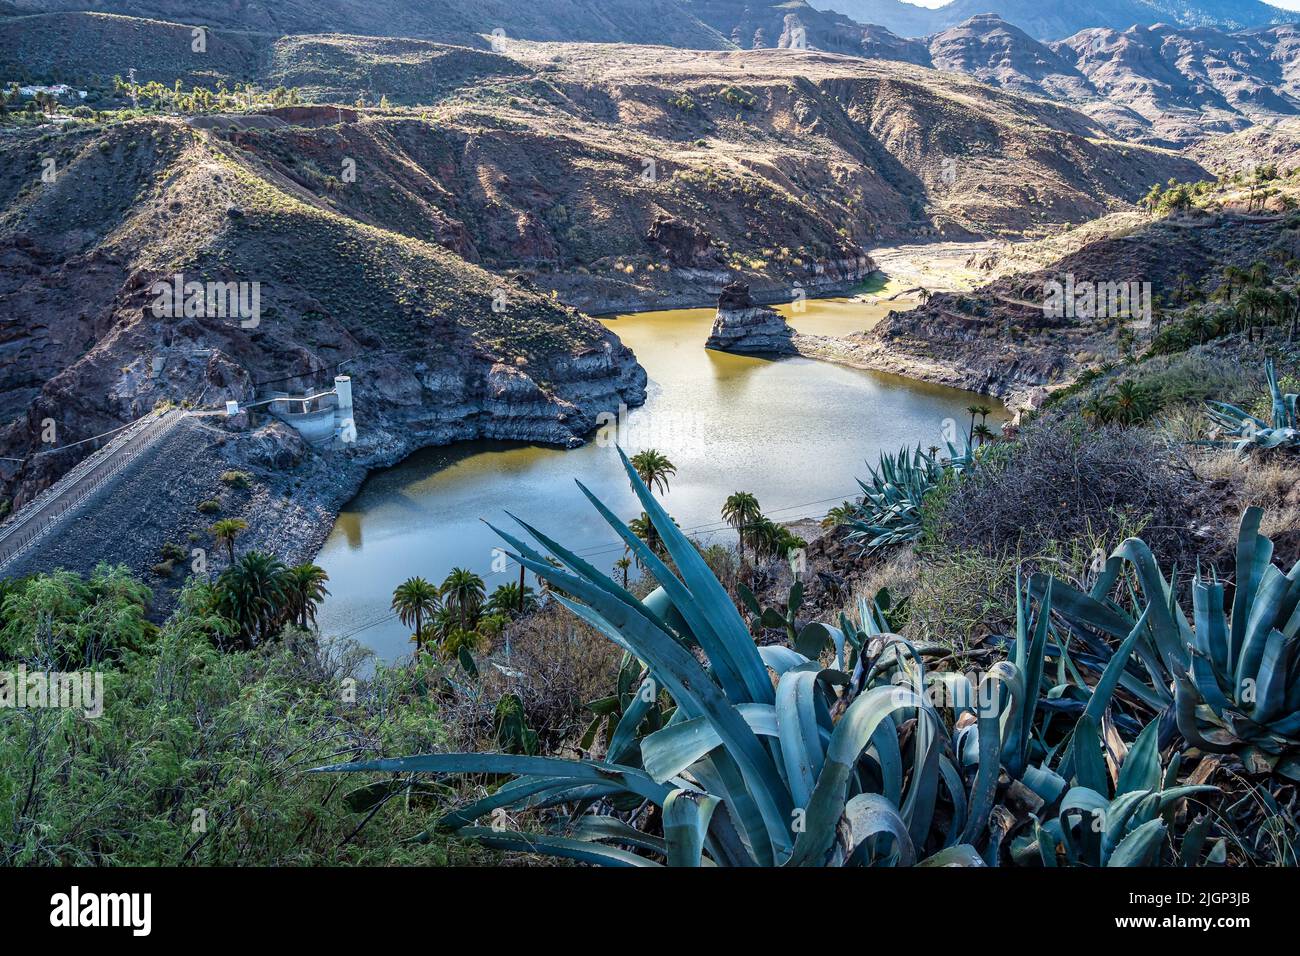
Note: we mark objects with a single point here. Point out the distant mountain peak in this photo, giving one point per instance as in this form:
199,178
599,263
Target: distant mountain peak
1058,19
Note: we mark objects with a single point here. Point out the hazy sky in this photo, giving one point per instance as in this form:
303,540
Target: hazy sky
1284,4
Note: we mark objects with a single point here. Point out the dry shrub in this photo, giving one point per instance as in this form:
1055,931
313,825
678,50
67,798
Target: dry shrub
1269,481
961,598
556,665
1217,466
897,574
1063,482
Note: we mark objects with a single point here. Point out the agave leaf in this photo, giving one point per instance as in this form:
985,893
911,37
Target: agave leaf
1264,608
1141,847
600,828
961,855
563,847
1168,625
520,793
630,779
672,750
851,736
1185,700
800,730
781,659
1275,669
889,760
1105,689
1089,768
1254,554
990,746
686,823
1210,649
623,742
1046,783
1141,768
1081,810
870,815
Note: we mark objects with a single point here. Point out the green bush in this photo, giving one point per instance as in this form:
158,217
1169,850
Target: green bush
199,755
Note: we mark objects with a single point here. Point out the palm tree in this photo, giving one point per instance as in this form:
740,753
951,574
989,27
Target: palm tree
769,539
984,413
1096,410
251,594
644,529
740,511
226,531
1131,404
509,600
984,433
974,410
1232,277
305,587
441,626
413,600
463,593
654,469
622,564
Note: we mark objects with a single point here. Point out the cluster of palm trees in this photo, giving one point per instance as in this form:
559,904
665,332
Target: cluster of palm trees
259,594
1129,404
459,612
982,430
759,535
1248,300
1256,298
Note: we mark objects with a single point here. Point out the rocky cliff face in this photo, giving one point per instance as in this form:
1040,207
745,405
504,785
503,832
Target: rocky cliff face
439,350
746,328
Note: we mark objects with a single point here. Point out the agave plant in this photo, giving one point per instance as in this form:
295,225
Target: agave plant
1248,432
1230,676
890,510
636,698
747,771
772,617
1088,821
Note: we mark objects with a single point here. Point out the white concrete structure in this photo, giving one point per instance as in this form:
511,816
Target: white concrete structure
319,418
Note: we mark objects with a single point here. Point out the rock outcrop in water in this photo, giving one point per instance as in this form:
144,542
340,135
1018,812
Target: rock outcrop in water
749,329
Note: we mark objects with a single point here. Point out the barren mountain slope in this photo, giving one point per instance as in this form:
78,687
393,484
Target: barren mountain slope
143,201
1190,82
994,51
451,21
1230,153
1054,19
1000,338
627,176
1158,85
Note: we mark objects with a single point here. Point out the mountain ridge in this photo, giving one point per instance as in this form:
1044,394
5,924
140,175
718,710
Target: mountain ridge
1057,19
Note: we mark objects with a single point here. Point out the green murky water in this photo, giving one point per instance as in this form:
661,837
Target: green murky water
795,432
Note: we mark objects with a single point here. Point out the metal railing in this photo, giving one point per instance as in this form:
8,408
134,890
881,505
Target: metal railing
40,517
